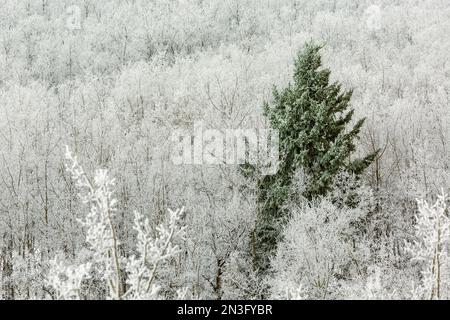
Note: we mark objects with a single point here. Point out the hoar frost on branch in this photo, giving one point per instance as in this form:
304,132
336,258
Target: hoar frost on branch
433,231
140,270
151,253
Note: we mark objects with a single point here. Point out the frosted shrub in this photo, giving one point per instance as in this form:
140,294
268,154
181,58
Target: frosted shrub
241,281
27,274
296,294
431,248
67,280
375,285
316,249
140,269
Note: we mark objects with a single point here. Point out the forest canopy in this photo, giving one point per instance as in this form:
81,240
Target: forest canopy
357,208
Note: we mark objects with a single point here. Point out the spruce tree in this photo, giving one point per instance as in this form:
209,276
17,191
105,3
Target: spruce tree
312,117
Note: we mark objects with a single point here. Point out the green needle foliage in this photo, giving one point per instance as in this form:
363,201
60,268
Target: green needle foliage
313,119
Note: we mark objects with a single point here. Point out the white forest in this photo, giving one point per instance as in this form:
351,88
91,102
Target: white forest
93,205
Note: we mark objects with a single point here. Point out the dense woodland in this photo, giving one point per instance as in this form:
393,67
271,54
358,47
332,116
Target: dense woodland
92,207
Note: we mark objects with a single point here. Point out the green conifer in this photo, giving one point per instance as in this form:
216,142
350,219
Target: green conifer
312,117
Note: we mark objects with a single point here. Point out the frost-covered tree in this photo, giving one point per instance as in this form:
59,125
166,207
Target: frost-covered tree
139,270
114,78
317,251
322,247
431,248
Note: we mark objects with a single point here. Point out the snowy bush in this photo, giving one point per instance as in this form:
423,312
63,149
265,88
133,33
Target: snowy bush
320,246
135,71
317,250
431,248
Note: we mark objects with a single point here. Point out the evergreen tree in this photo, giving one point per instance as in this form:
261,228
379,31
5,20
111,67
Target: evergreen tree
311,116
